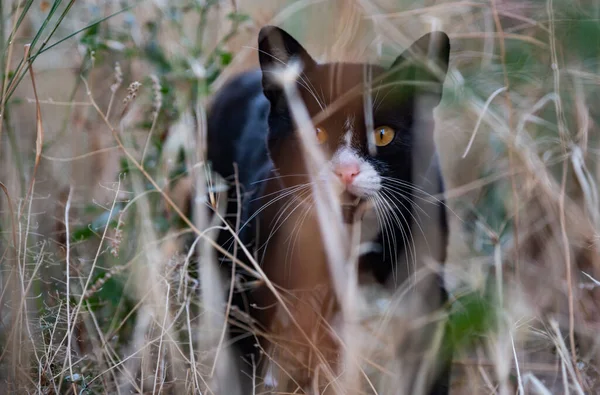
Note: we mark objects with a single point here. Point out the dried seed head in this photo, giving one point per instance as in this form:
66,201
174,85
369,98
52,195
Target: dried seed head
115,242
118,78
95,287
132,92
156,89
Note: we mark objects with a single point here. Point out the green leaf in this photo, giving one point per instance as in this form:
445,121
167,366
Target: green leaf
225,58
238,17
97,225
472,317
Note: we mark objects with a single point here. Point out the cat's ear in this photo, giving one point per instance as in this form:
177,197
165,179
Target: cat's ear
425,64
276,48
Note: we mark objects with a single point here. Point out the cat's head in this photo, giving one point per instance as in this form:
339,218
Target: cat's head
362,159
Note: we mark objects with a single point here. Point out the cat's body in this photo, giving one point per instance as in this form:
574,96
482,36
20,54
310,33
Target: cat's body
250,124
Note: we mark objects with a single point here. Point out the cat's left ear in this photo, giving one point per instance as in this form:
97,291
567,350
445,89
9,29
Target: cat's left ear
276,48
425,64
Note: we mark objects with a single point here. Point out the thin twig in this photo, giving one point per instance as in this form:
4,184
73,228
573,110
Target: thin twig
70,324
7,67
511,159
39,127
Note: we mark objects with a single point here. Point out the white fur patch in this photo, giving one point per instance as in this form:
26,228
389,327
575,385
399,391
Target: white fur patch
349,128
270,380
349,124
368,182
348,138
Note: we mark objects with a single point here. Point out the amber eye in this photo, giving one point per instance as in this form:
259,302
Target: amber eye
383,135
321,134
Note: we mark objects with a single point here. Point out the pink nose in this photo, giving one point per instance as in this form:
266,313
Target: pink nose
347,172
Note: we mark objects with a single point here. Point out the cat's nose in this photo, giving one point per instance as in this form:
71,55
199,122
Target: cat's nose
347,173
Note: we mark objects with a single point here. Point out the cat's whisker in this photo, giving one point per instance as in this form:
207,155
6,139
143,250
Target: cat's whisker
302,82
404,227
274,200
305,81
375,98
411,203
278,215
313,92
322,94
393,219
404,183
407,185
276,223
409,228
278,177
294,197
403,195
392,222
281,191
413,187
270,55
280,195
376,106
428,197
295,233
386,226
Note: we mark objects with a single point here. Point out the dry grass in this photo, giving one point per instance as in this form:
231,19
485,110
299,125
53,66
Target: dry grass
98,294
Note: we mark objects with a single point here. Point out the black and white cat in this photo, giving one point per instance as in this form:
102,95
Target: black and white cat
385,171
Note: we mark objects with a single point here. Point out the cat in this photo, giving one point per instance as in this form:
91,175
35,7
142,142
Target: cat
377,171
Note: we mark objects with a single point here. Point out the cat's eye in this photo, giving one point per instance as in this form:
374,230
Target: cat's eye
383,135
321,134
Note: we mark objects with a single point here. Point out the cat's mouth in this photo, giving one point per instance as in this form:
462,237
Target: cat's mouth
351,206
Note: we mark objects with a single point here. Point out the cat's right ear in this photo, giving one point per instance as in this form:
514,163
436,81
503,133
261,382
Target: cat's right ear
424,63
277,49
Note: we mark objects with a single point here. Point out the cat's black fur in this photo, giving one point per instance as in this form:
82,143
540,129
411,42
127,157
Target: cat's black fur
237,130
250,124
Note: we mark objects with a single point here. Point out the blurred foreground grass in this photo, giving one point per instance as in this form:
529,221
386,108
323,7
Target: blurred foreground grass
95,176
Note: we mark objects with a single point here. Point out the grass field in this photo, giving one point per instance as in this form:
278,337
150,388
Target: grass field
102,113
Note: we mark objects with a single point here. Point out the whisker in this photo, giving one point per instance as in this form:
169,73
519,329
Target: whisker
376,96
270,54
282,190
409,227
282,195
376,106
408,185
279,176
272,201
386,228
404,195
414,188
322,94
312,91
404,227
277,223
393,218
401,183
296,232
302,82
282,209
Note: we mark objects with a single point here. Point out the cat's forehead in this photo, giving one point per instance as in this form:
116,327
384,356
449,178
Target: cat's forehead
335,80
336,92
